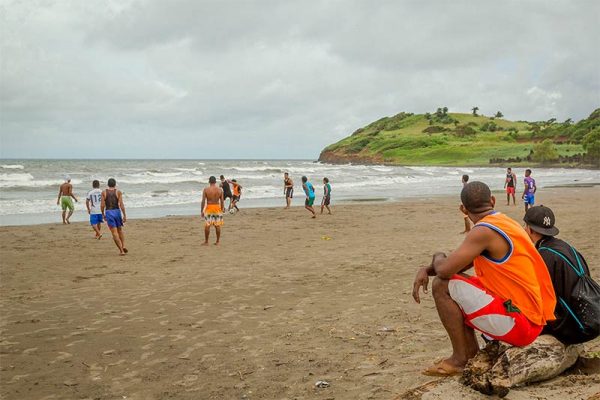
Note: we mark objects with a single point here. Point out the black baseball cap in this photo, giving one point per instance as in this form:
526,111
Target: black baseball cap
541,220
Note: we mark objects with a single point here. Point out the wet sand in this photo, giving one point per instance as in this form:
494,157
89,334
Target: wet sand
284,302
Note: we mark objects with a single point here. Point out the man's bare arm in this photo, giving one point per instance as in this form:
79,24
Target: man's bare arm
222,202
102,204
462,258
59,194
87,205
203,202
122,206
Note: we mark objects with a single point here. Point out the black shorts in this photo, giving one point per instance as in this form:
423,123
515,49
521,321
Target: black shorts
289,192
227,195
235,198
326,200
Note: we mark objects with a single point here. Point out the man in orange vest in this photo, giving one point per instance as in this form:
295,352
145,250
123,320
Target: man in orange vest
510,297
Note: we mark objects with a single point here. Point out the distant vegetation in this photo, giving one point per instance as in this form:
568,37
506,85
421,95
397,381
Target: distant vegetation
442,138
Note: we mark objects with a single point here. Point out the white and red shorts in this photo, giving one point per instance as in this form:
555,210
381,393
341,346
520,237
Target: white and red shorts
487,313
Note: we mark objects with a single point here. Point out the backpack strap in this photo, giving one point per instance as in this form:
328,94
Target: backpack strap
579,271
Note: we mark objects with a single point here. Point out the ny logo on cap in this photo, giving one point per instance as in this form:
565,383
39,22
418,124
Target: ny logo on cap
547,221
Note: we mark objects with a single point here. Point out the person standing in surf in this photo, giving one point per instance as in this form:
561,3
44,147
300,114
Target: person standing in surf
226,191
213,207
309,190
326,196
509,185
288,190
93,204
65,199
113,211
237,194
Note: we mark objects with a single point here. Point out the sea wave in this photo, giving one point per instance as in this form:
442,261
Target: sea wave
27,180
12,166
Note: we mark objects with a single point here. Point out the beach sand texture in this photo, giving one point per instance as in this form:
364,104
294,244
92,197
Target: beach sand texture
286,301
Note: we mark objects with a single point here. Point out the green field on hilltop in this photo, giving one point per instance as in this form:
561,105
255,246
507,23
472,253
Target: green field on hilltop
443,138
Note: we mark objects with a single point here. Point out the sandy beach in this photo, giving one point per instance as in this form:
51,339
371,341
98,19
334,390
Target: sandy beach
284,302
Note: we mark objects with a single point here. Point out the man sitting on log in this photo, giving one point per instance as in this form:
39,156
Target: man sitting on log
567,267
510,298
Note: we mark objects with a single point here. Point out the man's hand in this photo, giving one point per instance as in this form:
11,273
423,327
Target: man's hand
202,214
57,202
124,218
422,279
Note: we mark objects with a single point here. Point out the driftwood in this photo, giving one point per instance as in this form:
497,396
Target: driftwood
499,367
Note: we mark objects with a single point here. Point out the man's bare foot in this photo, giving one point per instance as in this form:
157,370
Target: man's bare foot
205,244
99,237
217,243
463,232
125,250
443,368
329,213
314,216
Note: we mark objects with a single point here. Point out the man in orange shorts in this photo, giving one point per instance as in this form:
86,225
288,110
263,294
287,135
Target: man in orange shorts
213,206
510,298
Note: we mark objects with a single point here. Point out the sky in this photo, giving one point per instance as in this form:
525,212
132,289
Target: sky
277,79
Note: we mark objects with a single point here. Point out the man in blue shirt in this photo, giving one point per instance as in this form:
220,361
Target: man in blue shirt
309,190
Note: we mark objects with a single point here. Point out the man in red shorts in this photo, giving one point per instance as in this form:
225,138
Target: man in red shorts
510,298
509,185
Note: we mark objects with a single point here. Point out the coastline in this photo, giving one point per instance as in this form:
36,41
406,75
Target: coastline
285,301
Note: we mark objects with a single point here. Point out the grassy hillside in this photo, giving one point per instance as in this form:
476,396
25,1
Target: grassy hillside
445,138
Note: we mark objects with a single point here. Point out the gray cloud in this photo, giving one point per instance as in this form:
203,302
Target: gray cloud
272,79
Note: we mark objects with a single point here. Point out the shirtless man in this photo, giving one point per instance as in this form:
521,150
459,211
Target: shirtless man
113,211
510,298
288,190
213,207
65,199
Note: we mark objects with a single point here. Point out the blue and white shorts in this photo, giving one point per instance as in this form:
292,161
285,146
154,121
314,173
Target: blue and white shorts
529,198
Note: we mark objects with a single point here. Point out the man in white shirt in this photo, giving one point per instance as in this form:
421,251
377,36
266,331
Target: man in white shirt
92,202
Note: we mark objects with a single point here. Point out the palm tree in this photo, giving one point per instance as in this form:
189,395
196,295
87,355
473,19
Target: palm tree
475,109
499,114
445,110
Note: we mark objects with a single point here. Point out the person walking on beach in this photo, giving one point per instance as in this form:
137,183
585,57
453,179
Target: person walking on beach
226,191
93,203
530,189
509,185
309,190
213,206
288,189
65,199
465,180
510,298
113,211
326,195
237,194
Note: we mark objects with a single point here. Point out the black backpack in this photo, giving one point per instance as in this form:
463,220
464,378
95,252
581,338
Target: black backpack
581,307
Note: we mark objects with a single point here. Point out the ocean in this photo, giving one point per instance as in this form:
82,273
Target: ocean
157,188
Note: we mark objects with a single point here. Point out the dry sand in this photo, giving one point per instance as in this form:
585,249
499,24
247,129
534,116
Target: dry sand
286,301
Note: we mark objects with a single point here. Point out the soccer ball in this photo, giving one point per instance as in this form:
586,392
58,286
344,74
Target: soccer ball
232,211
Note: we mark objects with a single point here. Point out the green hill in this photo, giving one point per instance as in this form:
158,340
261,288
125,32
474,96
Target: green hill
443,138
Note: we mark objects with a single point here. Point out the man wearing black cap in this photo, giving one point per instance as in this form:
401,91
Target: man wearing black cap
540,228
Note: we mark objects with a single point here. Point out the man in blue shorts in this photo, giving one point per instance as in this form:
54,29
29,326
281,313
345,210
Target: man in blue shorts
530,189
112,206
93,202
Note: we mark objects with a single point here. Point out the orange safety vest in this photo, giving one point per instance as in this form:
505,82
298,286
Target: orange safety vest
521,276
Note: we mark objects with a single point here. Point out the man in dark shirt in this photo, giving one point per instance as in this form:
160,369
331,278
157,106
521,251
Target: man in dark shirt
540,228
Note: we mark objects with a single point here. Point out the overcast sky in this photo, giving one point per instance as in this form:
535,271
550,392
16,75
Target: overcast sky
277,79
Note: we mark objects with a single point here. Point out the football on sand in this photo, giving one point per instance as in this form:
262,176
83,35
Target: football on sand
232,211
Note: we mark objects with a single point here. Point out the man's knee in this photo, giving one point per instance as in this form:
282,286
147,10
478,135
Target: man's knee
439,287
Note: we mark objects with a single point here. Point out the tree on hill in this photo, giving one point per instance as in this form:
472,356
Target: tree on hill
445,110
591,143
499,115
475,109
427,116
545,152
568,121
